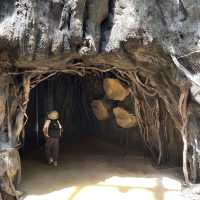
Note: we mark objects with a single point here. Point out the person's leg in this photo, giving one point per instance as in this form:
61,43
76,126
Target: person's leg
55,151
48,150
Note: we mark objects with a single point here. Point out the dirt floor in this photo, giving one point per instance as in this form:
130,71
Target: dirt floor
98,170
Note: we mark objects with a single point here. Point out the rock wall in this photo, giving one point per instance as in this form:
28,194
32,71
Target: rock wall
92,26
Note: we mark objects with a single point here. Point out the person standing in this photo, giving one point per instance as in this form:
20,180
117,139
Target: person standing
52,131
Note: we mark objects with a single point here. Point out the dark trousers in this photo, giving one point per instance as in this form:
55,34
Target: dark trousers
52,148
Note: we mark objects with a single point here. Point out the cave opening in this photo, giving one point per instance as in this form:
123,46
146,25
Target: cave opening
93,146
74,97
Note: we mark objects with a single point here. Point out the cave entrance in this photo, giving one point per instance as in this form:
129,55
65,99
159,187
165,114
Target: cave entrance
96,156
75,97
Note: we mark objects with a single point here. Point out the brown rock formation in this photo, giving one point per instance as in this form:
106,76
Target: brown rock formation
123,118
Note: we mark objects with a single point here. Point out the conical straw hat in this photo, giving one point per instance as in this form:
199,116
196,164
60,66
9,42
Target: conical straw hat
53,115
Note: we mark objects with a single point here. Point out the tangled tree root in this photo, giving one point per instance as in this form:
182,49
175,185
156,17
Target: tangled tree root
158,100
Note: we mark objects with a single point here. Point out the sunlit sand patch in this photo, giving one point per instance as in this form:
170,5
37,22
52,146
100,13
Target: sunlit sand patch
130,182
112,193
171,184
63,194
119,188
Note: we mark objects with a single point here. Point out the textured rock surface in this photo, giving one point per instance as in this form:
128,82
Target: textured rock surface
114,89
123,118
92,26
99,110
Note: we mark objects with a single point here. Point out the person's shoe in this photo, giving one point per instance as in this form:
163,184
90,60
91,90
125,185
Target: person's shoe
55,164
50,161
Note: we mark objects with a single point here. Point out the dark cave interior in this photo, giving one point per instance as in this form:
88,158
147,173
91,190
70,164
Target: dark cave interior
72,95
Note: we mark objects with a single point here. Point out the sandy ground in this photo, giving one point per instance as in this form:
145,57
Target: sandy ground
92,171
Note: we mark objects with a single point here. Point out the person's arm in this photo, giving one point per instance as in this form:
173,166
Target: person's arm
45,128
60,127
